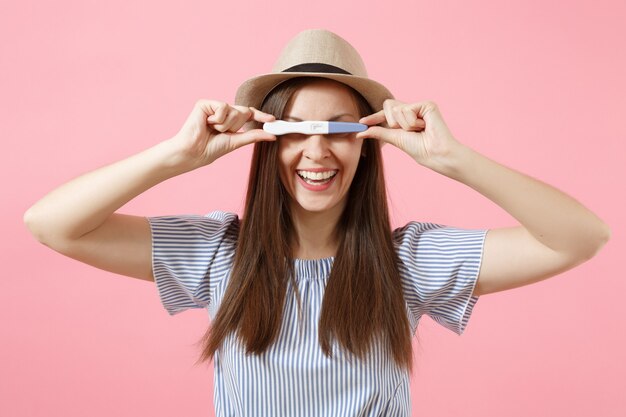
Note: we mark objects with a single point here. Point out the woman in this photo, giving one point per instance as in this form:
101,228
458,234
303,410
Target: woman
313,299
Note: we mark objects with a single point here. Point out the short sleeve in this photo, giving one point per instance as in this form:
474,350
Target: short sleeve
191,255
439,266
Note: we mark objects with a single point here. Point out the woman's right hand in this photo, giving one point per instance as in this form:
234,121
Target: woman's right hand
211,129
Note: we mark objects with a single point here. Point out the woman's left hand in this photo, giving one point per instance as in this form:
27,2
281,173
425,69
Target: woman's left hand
418,129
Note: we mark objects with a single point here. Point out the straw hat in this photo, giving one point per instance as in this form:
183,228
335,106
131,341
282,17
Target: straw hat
318,53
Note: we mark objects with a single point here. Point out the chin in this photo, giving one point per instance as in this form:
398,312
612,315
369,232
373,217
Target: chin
316,205
312,207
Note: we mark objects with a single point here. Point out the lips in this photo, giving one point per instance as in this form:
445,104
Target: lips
326,179
314,177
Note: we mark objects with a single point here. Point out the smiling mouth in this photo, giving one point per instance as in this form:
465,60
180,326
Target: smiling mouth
317,178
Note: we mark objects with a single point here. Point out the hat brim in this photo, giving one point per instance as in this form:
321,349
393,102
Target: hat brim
254,90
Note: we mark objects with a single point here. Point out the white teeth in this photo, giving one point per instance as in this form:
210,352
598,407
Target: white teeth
317,175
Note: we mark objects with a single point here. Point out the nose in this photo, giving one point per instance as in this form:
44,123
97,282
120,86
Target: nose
316,147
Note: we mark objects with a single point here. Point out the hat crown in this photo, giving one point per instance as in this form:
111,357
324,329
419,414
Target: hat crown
320,46
315,53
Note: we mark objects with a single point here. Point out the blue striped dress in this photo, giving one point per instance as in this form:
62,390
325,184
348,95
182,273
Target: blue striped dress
192,257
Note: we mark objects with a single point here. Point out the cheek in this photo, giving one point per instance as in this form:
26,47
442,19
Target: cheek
350,147
351,155
284,165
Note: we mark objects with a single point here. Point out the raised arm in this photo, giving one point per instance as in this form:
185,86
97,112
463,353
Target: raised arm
556,232
78,219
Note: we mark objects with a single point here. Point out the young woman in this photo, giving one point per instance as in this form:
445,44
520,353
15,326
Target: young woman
313,299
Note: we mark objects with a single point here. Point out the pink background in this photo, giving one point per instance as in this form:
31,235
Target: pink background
538,86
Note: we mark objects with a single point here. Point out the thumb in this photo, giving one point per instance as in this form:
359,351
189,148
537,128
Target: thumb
254,135
378,132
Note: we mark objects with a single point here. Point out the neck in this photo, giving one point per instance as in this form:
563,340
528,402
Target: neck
315,235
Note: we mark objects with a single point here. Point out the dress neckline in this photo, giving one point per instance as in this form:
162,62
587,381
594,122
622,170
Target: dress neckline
313,268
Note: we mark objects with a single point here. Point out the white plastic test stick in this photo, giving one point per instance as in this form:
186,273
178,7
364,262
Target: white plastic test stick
312,127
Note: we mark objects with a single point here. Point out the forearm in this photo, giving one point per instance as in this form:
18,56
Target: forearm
551,216
84,203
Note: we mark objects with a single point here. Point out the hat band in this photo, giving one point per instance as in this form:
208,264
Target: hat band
316,67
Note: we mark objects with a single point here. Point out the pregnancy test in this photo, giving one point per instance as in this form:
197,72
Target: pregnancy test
312,127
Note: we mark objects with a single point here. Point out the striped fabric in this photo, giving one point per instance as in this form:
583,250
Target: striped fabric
191,260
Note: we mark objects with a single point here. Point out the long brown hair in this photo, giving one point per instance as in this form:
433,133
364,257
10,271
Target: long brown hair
363,297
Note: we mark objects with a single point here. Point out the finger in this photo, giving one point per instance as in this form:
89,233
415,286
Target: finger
373,119
218,112
414,122
398,114
388,108
380,133
245,110
229,122
244,114
251,136
241,114
260,116
425,109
